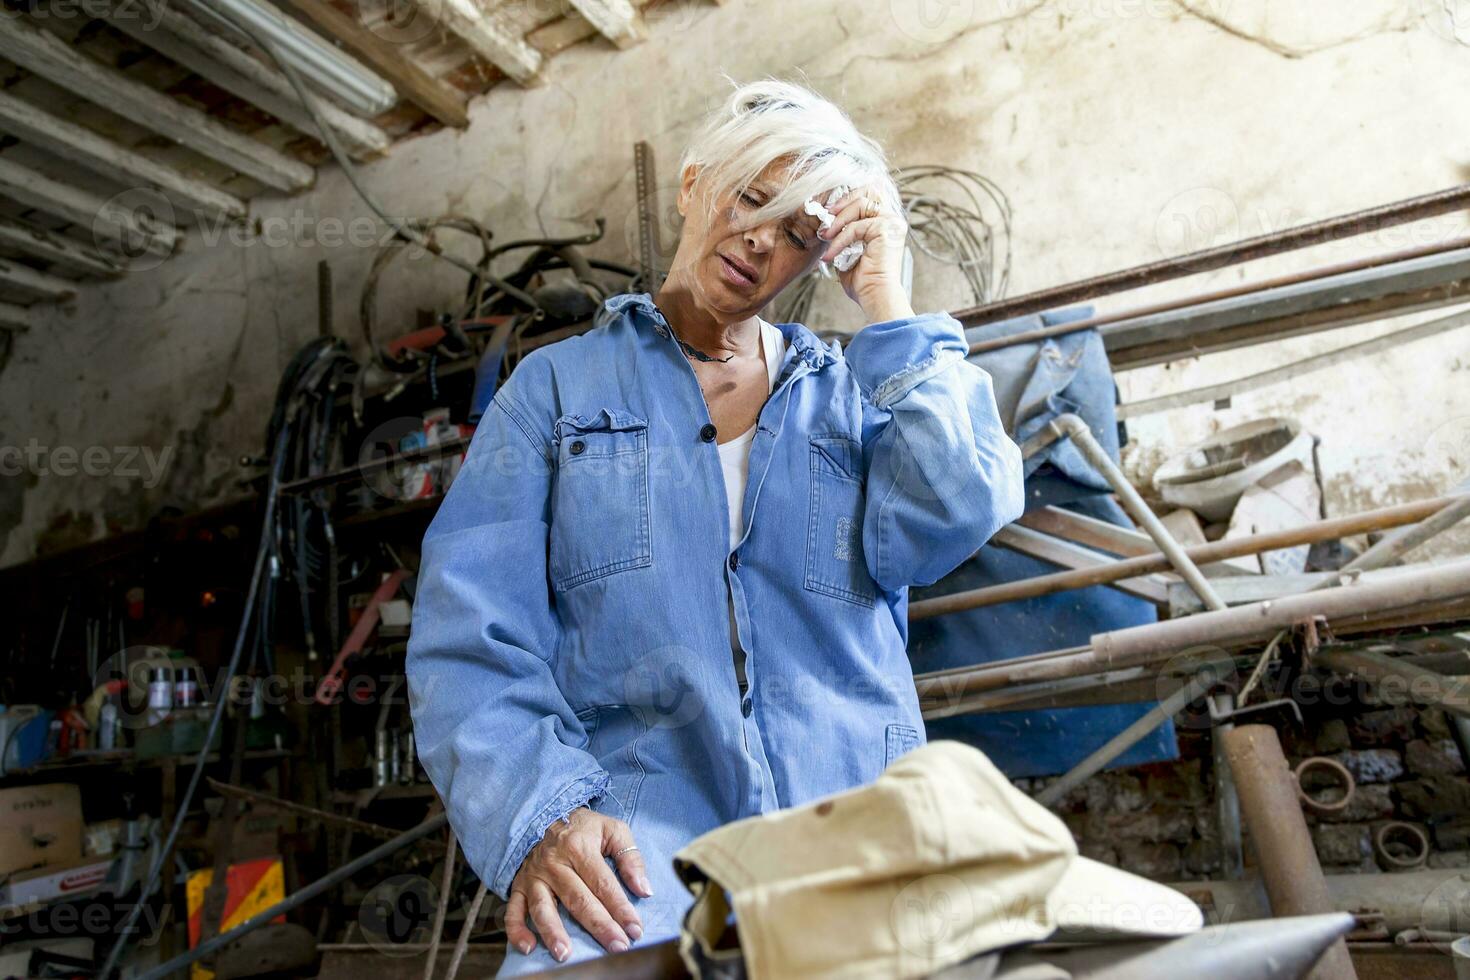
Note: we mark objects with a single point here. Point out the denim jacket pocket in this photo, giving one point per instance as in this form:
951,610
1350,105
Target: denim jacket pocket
834,547
599,497
613,733
898,739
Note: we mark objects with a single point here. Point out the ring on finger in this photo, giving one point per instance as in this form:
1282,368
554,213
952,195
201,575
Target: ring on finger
618,854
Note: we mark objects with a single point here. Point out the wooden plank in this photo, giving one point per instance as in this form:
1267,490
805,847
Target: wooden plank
1089,531
16,318
183,39
109,159
487,35
48,56
1064,554
38,284
616,20
64,252
109,221
439,100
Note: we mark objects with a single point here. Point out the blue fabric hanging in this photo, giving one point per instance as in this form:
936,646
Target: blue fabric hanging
1034,383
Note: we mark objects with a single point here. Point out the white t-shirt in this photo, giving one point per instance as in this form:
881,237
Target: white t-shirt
735,463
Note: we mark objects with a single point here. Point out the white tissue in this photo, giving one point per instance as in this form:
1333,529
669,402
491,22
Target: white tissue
848,257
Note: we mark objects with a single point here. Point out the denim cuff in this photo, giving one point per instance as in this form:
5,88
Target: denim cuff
891,358
582,791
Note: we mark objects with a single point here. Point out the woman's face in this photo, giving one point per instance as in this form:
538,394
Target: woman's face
735,269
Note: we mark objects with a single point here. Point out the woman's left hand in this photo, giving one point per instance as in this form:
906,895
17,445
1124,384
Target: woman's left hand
876,282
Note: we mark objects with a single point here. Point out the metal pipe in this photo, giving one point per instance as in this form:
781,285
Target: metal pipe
1082,437
1227,801
1215,296
1203,554
1412,681
1283,845
1128,737
1436,900
299,898
446,885
1208,260
1244,623
1294,370
1158,641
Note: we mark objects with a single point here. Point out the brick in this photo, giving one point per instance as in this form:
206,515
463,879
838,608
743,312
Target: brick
1342,843
1371,801
1438,758
1390,726
1434,723
1201,857
1453,836
1160,862
1178,783
1449,859
1435,799
1115,793
1372,765
1332,736
1160,823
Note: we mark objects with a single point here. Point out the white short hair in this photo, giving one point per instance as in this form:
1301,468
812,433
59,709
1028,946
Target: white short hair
768,121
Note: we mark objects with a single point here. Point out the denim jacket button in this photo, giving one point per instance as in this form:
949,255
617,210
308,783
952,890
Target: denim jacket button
746,707
577,447
707,432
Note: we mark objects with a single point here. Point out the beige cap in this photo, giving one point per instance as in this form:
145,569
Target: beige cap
938,860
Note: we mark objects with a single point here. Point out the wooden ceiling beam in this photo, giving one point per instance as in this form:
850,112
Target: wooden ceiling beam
111,159
17,318
109,221
488,35
38,284
617,20
47,55
65,253
178,36
442,101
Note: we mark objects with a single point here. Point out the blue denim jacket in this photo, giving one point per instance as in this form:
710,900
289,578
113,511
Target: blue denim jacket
570,639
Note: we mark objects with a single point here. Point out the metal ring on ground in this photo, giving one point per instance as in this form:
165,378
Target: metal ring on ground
1407,835
1336,769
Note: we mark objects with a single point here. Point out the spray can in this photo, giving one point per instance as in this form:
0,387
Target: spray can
107,726
380,759
186,689
160,695
410,760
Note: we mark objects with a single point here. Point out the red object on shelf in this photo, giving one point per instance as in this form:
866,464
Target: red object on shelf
331,684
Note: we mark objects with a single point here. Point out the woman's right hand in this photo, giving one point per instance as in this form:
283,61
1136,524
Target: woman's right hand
568,866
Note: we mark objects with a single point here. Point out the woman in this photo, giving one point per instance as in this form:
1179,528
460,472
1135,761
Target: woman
669,588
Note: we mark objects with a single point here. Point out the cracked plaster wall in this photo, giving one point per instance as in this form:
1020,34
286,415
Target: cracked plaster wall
1122,131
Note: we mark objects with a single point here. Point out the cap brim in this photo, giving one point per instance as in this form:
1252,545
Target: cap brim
1096,902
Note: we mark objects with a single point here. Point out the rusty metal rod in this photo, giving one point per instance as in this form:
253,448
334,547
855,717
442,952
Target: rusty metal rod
1205,631
1241,624
1284,852
1373,520
1211,259
1217,295
1071,426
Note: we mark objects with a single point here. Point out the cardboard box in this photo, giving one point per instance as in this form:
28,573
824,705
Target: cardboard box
40,826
